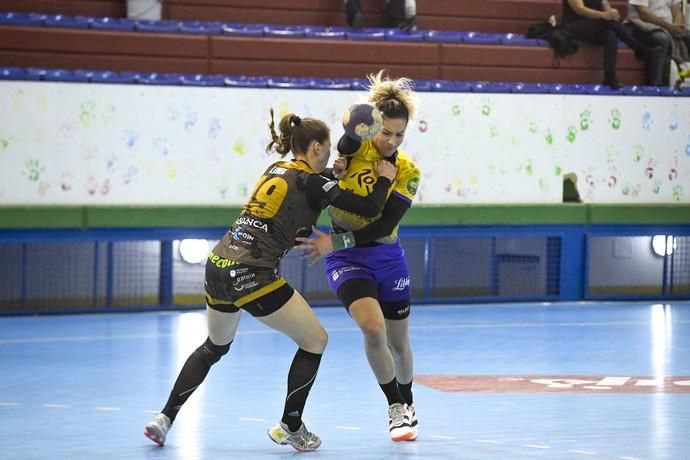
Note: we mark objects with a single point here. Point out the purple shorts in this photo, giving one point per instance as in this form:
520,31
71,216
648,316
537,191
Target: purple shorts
384,264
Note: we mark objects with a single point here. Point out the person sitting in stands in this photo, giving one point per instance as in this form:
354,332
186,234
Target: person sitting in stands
595,21
660,23
401,14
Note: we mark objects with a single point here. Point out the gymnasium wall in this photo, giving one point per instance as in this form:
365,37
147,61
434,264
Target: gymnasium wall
84,145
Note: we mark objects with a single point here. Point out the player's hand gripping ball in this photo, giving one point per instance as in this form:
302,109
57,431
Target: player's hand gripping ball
362,121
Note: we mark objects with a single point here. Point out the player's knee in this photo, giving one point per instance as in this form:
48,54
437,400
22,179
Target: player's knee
323,339
374,332
316,343
399,346
211,352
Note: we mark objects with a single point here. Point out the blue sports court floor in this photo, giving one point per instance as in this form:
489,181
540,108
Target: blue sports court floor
517,381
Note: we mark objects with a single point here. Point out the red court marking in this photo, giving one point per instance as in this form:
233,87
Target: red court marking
555,383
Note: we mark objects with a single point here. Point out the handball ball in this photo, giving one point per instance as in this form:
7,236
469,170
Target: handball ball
362,121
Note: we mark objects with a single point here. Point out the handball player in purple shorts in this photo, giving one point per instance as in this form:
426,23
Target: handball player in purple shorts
365,262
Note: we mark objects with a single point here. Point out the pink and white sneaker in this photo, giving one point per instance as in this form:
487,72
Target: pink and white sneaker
157,429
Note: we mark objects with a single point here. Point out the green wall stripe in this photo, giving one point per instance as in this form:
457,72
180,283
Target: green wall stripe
15,217
640,214
143,216
41,217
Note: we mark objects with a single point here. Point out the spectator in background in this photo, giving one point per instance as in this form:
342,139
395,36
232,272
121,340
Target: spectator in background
657,23
594,21
401,14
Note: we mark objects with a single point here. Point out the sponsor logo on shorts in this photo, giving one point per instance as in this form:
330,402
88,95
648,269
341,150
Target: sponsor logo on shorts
238,271
403,311
401,284
243,278
336,273
242,287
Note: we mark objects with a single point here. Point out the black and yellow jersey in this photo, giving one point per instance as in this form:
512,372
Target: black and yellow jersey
360,179
285,204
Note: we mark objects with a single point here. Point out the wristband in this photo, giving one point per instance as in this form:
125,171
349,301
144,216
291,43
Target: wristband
343,240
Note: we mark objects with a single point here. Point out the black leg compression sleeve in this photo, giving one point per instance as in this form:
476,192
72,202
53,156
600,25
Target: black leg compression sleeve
406,392
192,374
301,377
392,392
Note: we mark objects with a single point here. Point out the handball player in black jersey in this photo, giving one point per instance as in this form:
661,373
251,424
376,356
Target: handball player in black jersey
242,271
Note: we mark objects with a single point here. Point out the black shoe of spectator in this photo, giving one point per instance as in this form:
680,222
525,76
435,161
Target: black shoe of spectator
613,83
355,18
409,24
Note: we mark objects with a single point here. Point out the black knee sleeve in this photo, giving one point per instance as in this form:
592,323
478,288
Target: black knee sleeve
355,289
210,352
396,310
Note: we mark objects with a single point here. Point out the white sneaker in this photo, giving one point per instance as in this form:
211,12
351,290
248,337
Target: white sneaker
157,429
399,422
413,423
302,439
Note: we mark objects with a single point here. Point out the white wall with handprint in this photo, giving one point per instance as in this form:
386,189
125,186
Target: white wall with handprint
95,144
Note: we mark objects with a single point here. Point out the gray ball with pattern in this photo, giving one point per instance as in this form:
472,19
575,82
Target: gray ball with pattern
362,121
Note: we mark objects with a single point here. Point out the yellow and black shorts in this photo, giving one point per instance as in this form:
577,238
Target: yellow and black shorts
231,285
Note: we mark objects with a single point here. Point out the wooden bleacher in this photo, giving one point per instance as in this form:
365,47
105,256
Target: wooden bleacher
467,15
102,8
490,15
231,55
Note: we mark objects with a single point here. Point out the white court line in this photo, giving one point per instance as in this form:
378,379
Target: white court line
533,325
89,338
85,338
536,446
583,452
593,436
340,427
344,329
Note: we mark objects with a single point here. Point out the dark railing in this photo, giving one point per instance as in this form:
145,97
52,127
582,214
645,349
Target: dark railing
108,270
